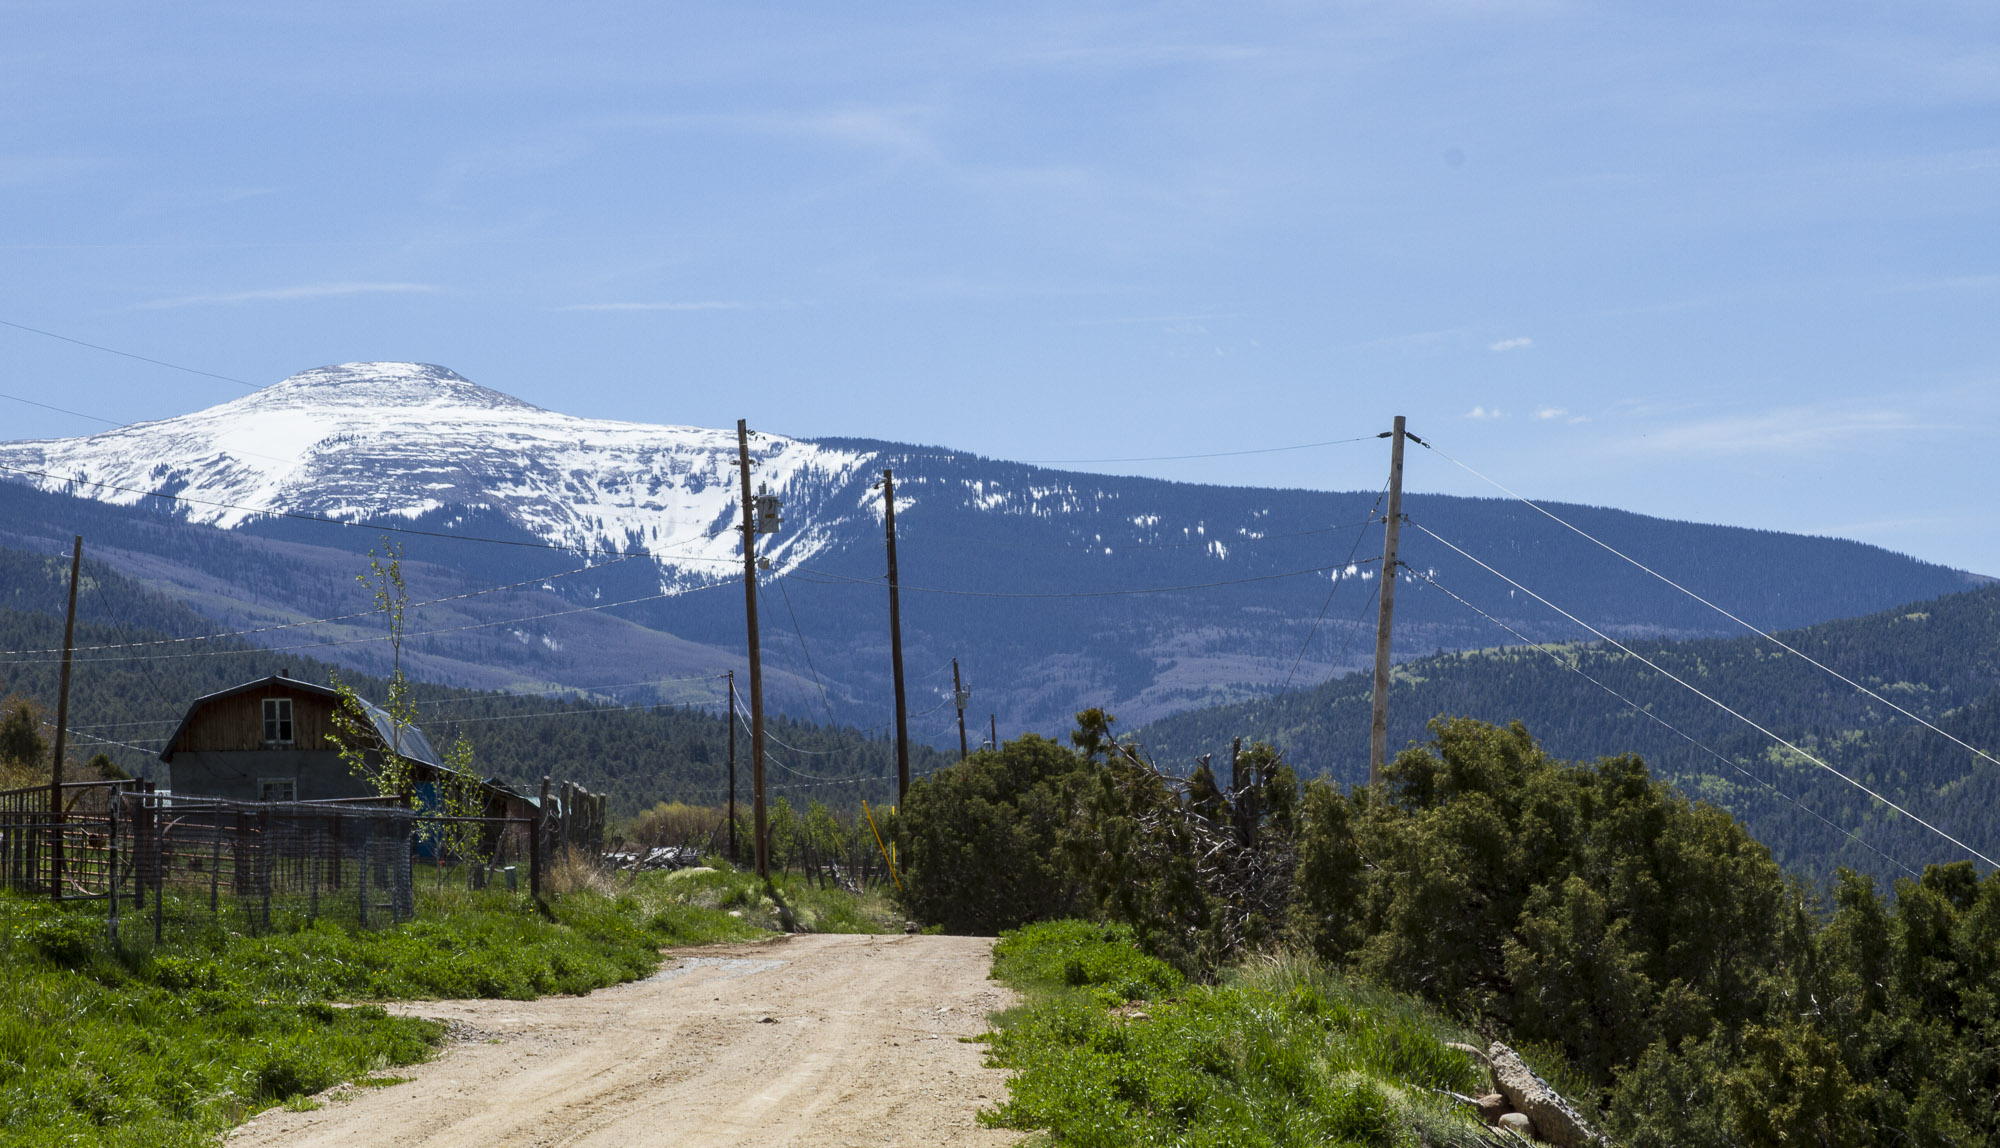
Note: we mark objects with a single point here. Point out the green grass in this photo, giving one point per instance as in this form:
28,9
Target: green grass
172,1044
1111,1048
790,903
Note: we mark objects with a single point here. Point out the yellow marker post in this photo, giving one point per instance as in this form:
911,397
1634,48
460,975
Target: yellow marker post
884,848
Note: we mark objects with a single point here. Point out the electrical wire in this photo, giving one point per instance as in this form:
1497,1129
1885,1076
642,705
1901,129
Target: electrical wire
378,637
588,711
824,702
744,719
743,716
118,620
1698,692
317,621
128,354
1577,669
1767,636
832,577
1330,590
1209,454
62,410
95,740
573,689
1238,539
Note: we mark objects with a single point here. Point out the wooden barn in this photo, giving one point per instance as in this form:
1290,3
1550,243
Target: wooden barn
272,740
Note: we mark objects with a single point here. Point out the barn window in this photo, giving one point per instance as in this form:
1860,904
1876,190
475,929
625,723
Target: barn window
278,721
277,789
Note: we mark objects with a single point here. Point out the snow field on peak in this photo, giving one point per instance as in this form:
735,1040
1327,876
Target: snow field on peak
372,441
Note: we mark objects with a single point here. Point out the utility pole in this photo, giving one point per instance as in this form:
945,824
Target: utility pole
961,695
756,665
732,766
896,641
62,729
993,727
1378,725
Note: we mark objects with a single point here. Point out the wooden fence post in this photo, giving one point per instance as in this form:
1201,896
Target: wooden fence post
535,843
111,839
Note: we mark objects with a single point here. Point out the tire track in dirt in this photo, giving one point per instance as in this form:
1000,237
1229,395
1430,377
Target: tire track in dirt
861,1047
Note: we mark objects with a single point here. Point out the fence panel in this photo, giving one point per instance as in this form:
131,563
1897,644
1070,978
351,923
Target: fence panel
263,864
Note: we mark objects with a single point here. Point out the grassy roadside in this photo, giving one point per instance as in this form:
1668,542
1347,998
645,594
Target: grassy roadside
1112,1047
173,1044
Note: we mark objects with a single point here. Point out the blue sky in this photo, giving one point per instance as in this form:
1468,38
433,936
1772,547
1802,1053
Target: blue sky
1727,262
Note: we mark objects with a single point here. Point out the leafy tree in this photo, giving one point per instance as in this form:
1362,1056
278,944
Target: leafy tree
382,765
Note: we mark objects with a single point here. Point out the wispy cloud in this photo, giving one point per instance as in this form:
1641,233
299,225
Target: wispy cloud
23,170
1947,283
1518,343
688,305
1485,413
1550,413
1790,429
1166,319
289,294
1417,339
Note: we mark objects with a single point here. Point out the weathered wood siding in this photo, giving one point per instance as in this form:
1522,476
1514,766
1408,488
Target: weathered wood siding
238,722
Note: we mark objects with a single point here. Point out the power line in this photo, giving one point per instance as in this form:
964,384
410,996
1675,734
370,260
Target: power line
1330,590
804,649
744,720
1698,692
385,637
62,410
1239,539
95,740
316,621
1767,636
1577,669
589,711
1209,454
129,355
568,689
828,575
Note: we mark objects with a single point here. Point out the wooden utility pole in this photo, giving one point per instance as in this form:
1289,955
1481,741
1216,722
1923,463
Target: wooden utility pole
993,728
756,665
896,641
958,695
732,766
1378,724
62,729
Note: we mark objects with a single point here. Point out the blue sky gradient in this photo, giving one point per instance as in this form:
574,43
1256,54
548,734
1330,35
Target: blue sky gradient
1726,262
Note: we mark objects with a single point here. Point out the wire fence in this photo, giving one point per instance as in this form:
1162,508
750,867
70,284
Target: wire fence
263,865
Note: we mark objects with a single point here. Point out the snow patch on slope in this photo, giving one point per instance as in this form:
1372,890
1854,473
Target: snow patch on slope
369,441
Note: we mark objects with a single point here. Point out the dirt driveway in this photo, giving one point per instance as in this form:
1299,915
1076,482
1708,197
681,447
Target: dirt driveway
809,1040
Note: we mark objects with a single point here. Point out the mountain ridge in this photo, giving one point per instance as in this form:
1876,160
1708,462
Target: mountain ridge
1055,589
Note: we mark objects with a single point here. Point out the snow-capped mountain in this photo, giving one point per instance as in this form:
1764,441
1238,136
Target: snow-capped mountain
1055,590
386,441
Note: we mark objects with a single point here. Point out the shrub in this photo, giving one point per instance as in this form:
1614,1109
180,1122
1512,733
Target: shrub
980,842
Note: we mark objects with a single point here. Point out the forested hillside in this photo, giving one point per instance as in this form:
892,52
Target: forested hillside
127,698
1939,659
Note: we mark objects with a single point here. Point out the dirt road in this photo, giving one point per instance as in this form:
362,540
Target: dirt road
815,1041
